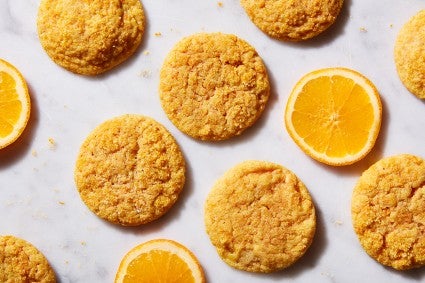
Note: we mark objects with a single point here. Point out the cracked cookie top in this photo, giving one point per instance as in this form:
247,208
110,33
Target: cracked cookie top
90,37
213,86
130,170
388,211
292,20
260,217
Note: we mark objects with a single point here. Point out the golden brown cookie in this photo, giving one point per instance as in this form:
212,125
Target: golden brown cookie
409,54
388,211
130,170
260,217
292,20
90,37
20,261
213,86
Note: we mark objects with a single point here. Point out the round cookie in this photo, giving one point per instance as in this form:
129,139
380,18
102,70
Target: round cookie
388,211
213,86
292,20
409,54
22,262
130,170
260,217
90,37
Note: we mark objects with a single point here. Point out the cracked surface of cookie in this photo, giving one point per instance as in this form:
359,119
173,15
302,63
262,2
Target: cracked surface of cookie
388,211
213,86
260,217
292,20
20,261
90,37
130,170
409,54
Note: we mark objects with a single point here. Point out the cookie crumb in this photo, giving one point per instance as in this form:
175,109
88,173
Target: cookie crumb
34,153
391,25
83,243
145,74
158,34
363,29
61,202
52,143
220,4
146,52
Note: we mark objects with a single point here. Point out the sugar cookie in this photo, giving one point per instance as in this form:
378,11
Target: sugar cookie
90,37
20,261
292,20
130,170
213,86
260,217
388,211
409,54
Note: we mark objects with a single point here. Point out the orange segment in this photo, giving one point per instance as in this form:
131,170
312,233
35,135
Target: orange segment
14,104
334,115
160,261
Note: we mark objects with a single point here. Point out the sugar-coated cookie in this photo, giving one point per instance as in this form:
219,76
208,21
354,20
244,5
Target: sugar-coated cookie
20,261
409,54
130,170
90,37
292,20
388,211
260,217
213,86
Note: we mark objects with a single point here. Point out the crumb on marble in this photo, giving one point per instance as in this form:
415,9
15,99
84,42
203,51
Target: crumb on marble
52,143
338,222
363,29
61,202
34,153
145,74
220,4
146,52
83,243
391,25
157,33
327,274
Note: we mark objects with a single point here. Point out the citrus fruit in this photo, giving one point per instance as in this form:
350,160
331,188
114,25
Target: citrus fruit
162,261
14,104
334,115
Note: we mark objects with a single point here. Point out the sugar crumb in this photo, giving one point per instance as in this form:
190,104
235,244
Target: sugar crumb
52,143
220,4
61,202
363,29
145,74
34,153
146,52
157,33
391,25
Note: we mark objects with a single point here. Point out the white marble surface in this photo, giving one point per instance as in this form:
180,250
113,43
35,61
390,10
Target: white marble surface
38,198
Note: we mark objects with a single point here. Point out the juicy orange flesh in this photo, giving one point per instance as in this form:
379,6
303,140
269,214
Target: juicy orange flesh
10,105
333,115
158,266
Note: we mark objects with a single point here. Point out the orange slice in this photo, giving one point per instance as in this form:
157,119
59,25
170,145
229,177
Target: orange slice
334,115
14,104
160,261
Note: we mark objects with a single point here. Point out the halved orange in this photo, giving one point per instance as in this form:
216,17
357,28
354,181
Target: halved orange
14,104
334,115
160,261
